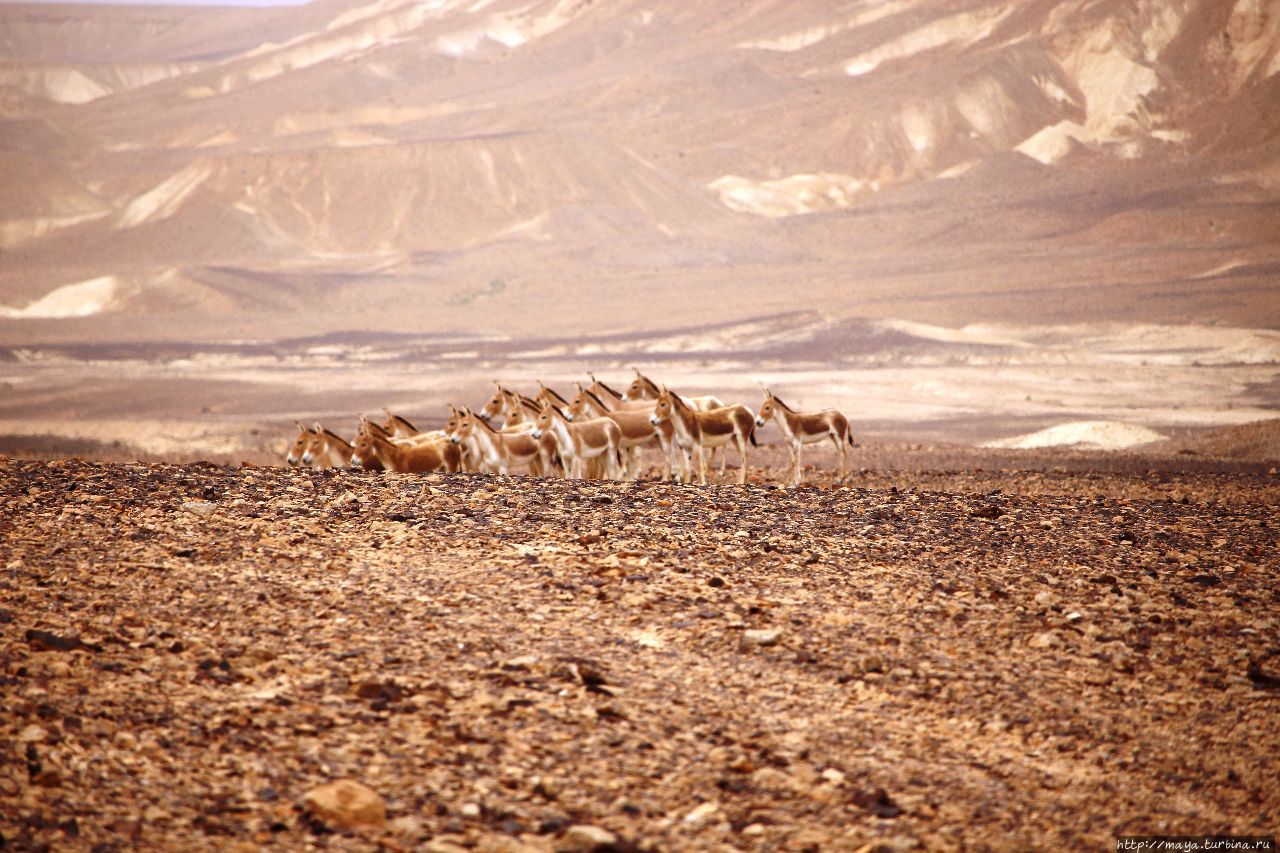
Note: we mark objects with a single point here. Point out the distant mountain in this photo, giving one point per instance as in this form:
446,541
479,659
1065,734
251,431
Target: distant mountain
620,163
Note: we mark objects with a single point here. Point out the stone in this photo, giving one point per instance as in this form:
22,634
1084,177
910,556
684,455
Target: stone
199,507
834,776
447,844
1043,640
583,838
701,814
33,734
347,804
409,826
762,636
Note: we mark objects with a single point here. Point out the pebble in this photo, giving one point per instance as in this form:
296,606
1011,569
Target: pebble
33,734
199,507
701,814
834,776
585,838
59,669
447,844
1044,640
762,636
346,803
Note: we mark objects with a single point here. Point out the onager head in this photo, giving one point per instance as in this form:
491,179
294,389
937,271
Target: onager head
466,426
546,420
362,452
663,408
768,408
300,446
641,388
497,403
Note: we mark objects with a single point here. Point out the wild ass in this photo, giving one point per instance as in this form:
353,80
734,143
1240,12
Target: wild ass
581,441
299,446
799,429
637,431
419,458
644,388
546,395
500,403
327,449
710,429
671,450
498,451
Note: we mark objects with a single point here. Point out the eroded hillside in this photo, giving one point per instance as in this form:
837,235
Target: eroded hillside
909,159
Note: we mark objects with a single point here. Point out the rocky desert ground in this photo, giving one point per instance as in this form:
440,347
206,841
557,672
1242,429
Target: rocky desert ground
935,659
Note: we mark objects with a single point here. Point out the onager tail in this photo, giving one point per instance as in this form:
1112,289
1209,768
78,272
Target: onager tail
752,435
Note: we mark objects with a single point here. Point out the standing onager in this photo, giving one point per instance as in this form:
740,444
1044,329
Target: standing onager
580,441
711,429
423,457
398,427
497,451
637,431
644,388
801,428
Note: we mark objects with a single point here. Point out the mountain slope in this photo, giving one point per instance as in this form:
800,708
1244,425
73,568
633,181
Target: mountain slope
931,143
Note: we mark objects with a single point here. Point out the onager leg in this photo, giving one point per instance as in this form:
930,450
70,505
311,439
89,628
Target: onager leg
742,455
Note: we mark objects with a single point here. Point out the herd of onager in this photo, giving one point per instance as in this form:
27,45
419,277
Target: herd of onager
599,433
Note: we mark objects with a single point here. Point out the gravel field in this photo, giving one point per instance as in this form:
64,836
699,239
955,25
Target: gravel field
945,659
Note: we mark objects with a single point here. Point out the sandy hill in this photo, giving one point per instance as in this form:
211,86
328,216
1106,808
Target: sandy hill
367,161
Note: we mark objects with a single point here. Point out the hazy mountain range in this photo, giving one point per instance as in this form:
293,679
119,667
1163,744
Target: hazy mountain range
582,165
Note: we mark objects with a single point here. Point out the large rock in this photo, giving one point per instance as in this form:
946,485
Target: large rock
347,804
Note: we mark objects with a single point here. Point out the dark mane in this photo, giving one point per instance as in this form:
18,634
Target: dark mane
781,404
331,434
562,400
606,388
404,421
